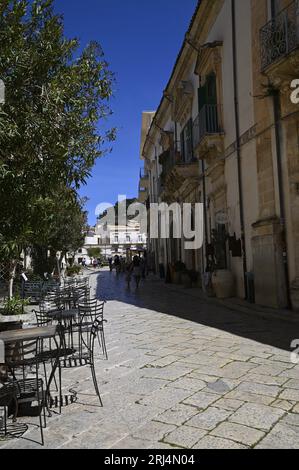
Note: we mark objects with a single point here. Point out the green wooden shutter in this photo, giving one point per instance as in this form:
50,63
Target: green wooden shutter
202,97
211,89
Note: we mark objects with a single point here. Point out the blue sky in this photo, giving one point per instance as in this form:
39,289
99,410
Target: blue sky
141,40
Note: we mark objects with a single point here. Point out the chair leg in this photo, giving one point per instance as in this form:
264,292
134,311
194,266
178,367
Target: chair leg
60,388
5,422
40,401
44,407
16,409
95,383
104,345
54,378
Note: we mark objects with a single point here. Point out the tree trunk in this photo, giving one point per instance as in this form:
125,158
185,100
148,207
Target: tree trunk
11,277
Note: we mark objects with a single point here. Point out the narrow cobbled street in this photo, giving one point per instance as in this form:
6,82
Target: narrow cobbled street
183,372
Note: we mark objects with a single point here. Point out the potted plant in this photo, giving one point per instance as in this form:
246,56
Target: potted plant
72,271
12,310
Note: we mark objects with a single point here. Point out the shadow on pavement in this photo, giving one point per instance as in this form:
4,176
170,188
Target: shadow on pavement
155,296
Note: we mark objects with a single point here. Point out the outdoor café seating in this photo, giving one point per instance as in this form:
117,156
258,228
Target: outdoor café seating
68,325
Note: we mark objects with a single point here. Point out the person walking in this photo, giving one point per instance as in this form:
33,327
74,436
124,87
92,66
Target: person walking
117,264
95,263
136,270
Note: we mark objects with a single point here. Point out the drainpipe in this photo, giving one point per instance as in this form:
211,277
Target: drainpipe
204,192
239,163
277,127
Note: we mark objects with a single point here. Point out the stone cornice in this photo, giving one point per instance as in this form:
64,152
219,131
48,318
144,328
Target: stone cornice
205,17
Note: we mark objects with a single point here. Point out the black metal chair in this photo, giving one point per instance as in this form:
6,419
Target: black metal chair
89,310
85,335
7,397
22,362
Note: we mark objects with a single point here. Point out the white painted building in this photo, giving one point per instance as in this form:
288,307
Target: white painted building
122,240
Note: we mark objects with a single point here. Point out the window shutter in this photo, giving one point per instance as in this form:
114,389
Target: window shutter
182,146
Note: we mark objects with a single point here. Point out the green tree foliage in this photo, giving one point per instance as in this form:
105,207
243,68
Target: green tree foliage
94,252
57,100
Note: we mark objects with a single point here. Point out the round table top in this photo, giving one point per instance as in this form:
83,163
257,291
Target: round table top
63,314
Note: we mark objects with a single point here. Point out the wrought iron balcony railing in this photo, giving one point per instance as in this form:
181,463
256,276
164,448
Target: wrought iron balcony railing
280,36
206,123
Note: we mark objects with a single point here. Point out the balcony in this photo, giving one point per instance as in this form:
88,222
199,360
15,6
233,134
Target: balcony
280,36
208,135
177,173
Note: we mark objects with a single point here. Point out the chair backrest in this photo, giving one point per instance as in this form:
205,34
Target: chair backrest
33,290
90,322
91,308
21,353
41,315
80,295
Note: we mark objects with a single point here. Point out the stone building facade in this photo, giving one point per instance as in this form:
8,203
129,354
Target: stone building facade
226,134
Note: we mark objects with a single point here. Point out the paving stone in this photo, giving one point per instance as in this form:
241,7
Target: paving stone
177,415
259,389
257,416
132,443
153,430
296,408
209,419
235,356
289,394
187,383
185,437
266,379
221,387
228,404
165,398
292,419
201,400
236,370
211,442
166,373
238,433
283,404
249,397
290,373
165,361
292,383
272,370
282,436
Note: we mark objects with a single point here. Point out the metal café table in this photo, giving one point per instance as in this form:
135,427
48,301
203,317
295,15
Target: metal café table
30,334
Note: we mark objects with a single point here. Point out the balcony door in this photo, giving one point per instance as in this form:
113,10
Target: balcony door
207,105
187,142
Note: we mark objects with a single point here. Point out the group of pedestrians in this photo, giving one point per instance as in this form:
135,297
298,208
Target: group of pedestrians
95,263
136,269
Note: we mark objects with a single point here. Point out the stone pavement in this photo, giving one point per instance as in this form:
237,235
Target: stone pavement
183,372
